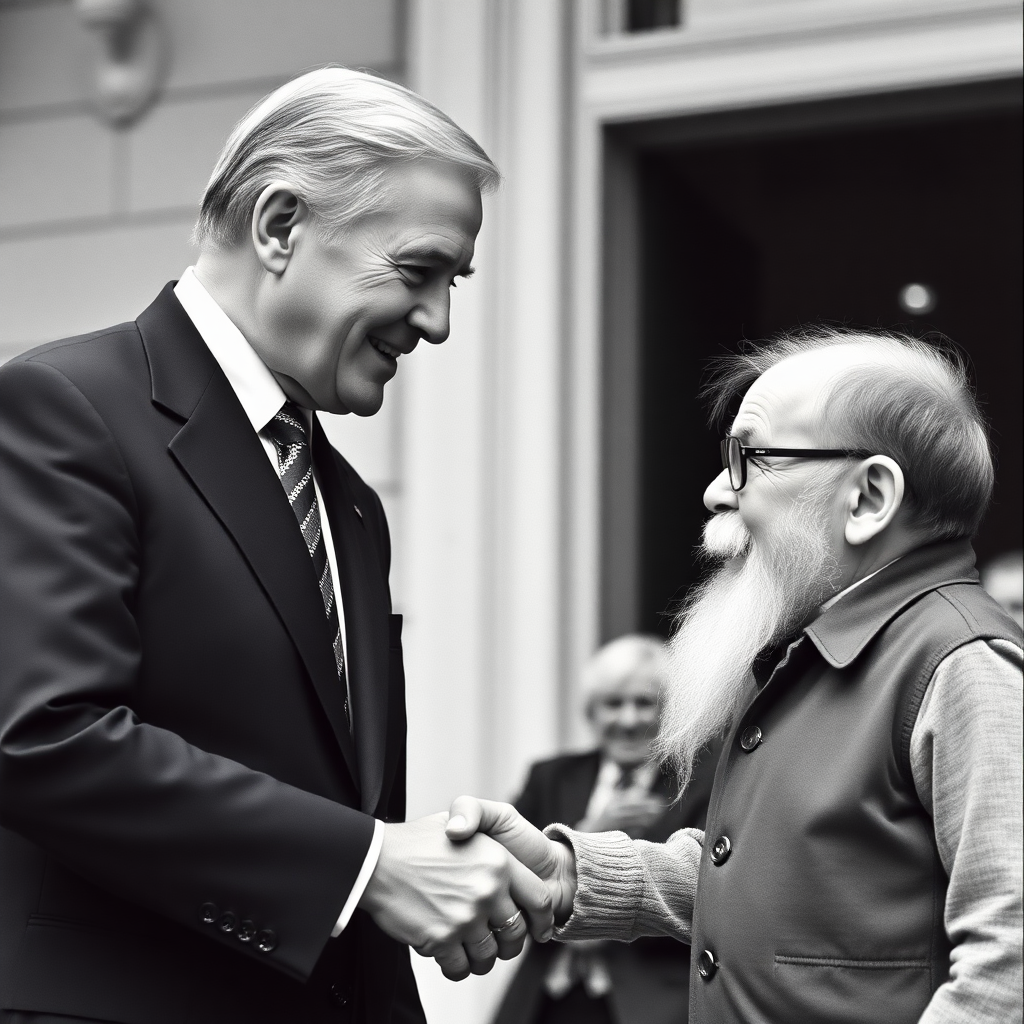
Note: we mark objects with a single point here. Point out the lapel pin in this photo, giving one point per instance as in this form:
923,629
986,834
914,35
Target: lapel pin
358,512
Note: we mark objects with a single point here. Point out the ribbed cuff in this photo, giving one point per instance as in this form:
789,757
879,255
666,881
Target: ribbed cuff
609,885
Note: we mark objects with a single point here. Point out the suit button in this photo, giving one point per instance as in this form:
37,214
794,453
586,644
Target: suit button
721,850
750,738
208,913
246,932
227,923
707,965
266,940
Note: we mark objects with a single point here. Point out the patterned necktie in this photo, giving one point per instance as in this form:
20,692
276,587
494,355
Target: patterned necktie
295,466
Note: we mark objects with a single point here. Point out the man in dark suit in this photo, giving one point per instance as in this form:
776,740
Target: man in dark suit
615,787
202,715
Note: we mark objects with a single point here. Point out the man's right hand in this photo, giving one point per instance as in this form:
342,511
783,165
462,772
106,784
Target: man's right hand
550,860
449,900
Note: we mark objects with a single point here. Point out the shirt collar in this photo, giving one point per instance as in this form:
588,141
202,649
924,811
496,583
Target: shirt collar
610,772
251,380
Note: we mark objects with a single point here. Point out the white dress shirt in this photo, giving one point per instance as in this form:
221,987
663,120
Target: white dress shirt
608,776
261,399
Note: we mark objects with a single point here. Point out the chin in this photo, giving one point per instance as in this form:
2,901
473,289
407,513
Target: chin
365,402
630,755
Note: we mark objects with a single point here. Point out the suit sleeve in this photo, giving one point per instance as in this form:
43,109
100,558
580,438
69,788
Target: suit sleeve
130,806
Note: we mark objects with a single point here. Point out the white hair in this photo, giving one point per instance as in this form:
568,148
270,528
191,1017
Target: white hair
331,134
621,659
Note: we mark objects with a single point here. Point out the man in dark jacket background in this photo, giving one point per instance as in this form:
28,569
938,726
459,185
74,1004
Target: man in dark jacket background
616,786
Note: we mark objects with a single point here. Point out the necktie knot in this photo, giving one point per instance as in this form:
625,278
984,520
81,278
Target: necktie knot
288,427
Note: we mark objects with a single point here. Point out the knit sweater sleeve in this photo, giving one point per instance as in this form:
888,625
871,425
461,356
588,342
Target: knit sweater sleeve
629,888
966,760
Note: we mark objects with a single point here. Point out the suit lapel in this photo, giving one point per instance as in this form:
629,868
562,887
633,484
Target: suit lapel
219,451
366,606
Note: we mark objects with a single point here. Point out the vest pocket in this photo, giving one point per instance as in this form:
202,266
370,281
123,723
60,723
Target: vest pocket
841,991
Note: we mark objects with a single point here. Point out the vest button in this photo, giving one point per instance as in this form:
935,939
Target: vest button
208,913
266,940
227,922
246,931
750,738
707,965
721,850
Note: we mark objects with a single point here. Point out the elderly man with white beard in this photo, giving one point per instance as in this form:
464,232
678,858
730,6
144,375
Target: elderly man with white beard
862,856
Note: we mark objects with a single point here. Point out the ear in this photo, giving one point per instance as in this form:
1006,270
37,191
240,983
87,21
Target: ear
279,219
874,497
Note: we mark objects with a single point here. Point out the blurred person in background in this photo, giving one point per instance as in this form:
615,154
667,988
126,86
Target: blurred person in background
862,855
616,786
1003,579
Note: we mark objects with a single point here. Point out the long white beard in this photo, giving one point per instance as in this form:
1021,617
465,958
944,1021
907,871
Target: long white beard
761,594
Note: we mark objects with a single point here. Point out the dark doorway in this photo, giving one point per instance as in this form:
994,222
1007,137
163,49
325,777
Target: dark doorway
755,222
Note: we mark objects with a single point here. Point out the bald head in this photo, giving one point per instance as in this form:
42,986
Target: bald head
885,393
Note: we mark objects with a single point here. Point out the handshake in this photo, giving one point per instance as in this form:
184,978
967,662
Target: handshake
466,887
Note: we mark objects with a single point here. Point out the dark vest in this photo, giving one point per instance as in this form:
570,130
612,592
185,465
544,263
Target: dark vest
826,904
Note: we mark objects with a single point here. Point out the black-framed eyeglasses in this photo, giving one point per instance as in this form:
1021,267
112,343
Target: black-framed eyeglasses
735,455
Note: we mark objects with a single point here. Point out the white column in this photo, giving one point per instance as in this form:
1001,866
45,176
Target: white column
484,418
483,433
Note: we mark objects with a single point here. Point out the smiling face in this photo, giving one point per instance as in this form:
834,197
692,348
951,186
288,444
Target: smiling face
624,716
345,309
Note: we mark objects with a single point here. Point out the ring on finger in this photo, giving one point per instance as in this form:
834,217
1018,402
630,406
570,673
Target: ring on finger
510,923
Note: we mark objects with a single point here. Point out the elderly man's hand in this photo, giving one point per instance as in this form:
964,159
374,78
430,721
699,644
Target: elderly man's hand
628,812
451,900
550,860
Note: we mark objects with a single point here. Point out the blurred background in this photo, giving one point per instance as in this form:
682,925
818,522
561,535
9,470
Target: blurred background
679,174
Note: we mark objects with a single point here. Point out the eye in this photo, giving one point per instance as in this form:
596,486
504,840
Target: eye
417,274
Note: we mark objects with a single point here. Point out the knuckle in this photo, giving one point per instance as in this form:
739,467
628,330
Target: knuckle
436,937
462,918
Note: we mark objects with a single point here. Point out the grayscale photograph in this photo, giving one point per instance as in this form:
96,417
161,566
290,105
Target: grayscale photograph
511,512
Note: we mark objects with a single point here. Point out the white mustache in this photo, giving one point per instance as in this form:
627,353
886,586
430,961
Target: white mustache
726,536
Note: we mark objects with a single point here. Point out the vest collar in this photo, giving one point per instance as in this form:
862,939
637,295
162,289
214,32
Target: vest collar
845,629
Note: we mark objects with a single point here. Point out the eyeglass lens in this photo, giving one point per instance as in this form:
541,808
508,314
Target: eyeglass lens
734,456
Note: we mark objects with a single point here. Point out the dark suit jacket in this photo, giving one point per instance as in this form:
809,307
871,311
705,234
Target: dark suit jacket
172,734
650,977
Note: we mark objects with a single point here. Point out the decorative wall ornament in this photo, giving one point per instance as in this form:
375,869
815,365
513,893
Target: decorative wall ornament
132,57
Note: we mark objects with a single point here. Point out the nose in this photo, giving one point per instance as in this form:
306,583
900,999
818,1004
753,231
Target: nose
628,716
431,314
720,497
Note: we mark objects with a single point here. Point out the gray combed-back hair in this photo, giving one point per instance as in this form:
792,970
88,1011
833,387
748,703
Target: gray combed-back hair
913,401
330,133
